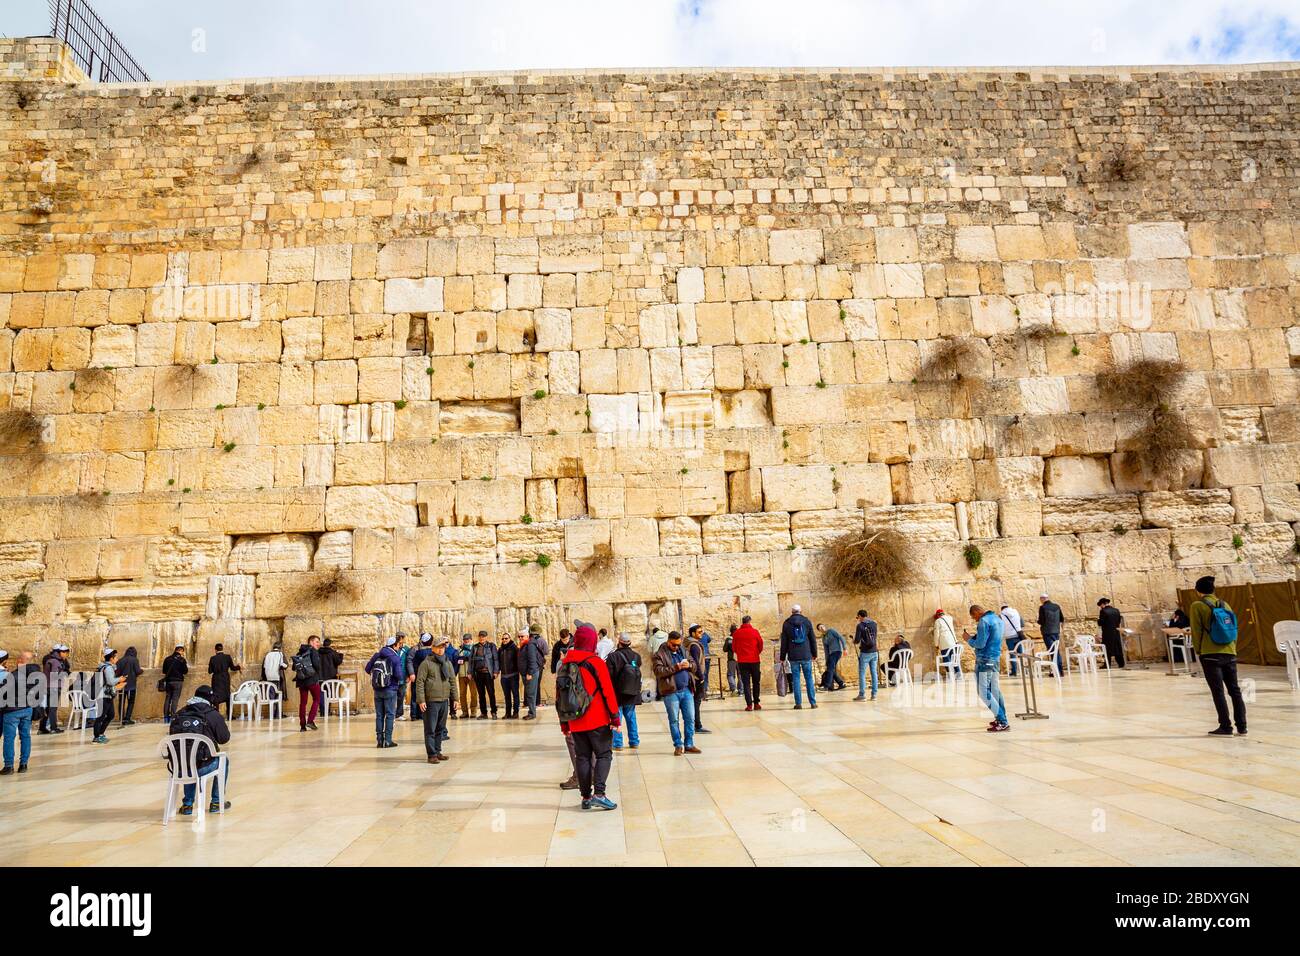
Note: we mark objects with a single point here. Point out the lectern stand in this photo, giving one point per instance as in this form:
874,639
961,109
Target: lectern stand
1029,684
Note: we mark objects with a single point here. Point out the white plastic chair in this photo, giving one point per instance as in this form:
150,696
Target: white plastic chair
181,751
1180,641
903,670
948,662
1286,635
81,707
338,693
1084,655
245,699
1017,652
1045,661
268,696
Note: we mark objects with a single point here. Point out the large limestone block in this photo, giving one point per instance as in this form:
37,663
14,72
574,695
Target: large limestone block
1130,473
1003,479
817,529
921,522
797,488
735,573
661,579
269,511
1108,552
864,485
723,534
524,542
181,598
635,537
767,531
792,246
439,587
1203,546
1099,513
304,593
934,479
1179,509
467,545
1077,477
584,540
1008,558
1270,543
680,535
1281,501
494,501
334,549
1158,240
173,556
1233,465
515,585
380,506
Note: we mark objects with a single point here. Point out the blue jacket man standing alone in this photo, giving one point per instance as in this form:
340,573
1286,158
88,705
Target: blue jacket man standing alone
987,644
388,681
799,647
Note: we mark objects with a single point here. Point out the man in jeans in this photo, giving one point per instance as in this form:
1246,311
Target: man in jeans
625,673
106,684
834,646
677,675
1050,618
484,666
385,670
864,638
199,716
532,661
799,647
1218,661
987,644
16,717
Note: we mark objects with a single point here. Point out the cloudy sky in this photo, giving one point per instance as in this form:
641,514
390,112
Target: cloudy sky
210,39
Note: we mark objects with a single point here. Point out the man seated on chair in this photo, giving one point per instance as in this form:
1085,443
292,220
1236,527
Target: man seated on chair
198,716
896,658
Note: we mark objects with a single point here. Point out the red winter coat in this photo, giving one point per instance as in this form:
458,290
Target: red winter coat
603,711
747,645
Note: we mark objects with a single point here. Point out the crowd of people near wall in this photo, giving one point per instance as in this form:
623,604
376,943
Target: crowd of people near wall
600,681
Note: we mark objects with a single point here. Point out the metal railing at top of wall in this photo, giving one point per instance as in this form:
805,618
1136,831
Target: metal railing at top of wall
97,51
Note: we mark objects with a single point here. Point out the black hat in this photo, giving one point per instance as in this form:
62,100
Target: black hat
1101,601
1205,585
205,692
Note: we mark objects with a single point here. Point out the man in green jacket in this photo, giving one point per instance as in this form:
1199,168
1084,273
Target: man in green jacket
1218,661
435,682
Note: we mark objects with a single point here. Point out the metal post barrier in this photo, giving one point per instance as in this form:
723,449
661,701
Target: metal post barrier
1029,684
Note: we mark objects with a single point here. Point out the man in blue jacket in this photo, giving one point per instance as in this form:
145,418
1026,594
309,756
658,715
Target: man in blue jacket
987,644
388,681
799,647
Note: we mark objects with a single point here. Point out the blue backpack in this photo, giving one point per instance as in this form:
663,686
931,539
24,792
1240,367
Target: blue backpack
1223,623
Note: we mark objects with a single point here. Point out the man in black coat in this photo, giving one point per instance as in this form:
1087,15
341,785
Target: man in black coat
174,669
220,667
1110,621
198,716
799,648
130,670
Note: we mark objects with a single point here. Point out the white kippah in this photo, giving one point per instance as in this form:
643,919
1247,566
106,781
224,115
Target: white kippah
390,641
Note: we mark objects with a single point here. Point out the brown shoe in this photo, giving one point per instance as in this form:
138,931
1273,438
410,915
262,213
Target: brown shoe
570,784
677,751
434,759
442,758
692,750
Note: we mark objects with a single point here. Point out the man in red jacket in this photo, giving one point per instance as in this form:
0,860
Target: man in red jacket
592,733
747,645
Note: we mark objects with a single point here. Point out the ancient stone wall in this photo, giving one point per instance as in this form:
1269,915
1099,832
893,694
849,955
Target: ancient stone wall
633,347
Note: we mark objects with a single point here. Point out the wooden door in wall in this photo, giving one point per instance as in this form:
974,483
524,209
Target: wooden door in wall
1273,602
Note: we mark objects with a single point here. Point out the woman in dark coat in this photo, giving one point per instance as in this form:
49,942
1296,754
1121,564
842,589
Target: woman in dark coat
220,667
1109,620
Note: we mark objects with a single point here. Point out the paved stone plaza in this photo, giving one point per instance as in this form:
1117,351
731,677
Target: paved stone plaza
1121,774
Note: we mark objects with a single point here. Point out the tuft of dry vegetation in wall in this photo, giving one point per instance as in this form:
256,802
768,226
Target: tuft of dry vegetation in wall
949,359
1122,166
874,560
1161,443
21,434
1142,384
323,587
600,565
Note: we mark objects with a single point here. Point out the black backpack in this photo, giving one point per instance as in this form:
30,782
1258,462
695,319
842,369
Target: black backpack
572,699
303,670
191,723
629,678
381,674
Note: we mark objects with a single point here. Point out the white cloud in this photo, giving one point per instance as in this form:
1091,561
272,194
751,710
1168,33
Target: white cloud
311,37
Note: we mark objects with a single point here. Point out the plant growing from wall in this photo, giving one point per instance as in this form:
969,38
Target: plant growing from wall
879,559
327,586
22,434
949,360
22,601
973,555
